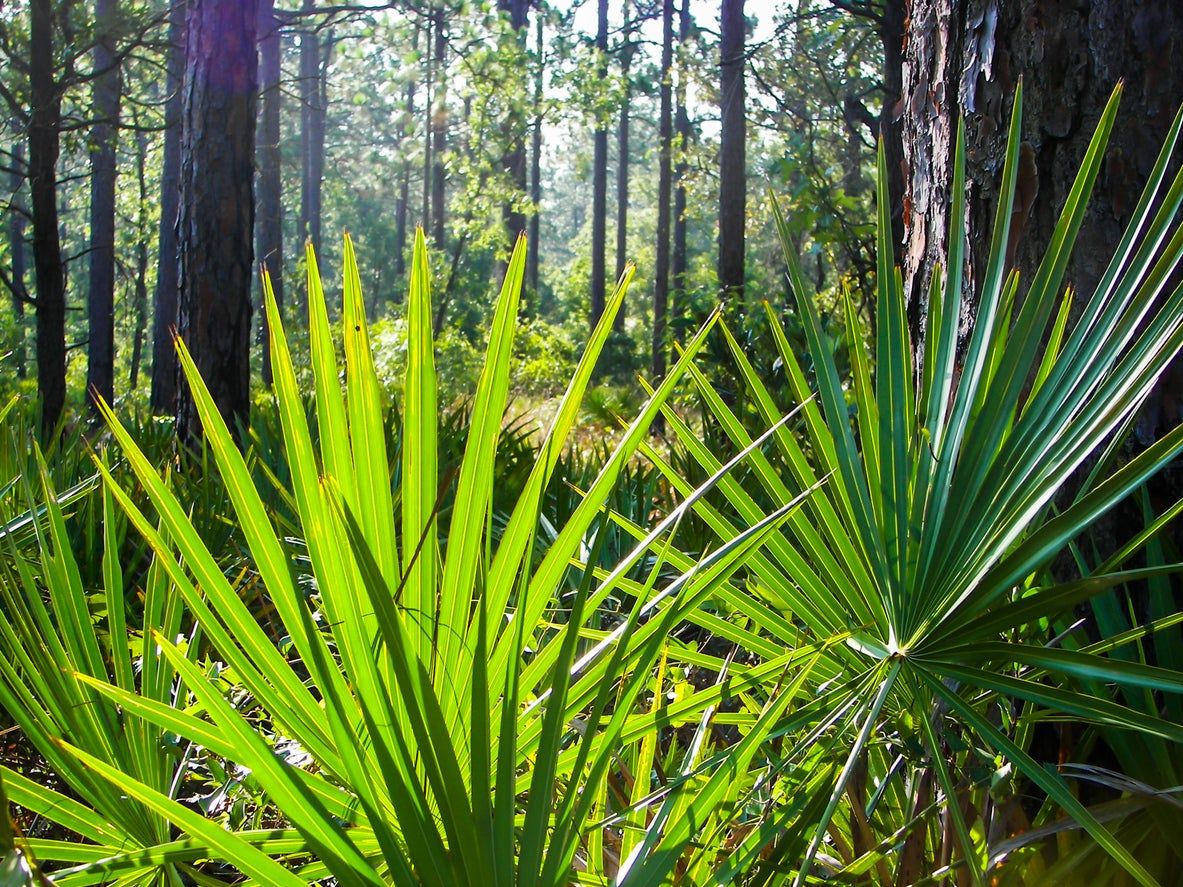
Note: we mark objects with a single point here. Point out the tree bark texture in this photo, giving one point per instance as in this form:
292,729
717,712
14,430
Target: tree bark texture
514,128
164,356
312,130
16,253
599,270
681,168
140,302
100,301
661,276
732,148
627,50
269,224
45,107
965,57
535,236
404,192
217,206
438,131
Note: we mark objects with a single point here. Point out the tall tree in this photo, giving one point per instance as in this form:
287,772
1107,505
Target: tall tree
973,52
140,280
514,126
438,129
16,254
164,357
535,235
217,204
628,49
45,118
599,271
661,275
269,224
106,89
732,147
402,207
682,167
313,108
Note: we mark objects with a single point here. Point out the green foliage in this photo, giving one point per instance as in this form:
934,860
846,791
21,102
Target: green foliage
426,648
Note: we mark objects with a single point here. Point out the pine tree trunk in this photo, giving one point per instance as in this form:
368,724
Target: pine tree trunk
217,206
312,129
100,301
600,179
269,223
437,108
140,302
514,128
965,57
627,50
45,106
661,276
681,168
732,148
404,191
535,235
16,254
165,319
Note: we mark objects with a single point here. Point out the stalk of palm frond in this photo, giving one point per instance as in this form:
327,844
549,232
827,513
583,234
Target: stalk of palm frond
937,519
460,730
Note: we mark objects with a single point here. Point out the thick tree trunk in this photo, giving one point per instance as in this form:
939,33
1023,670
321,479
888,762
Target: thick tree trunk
732,148
535,235
269,223
164,356
627,50
965,57
217,206
16,254
661,276
681,168
438,110
106,88
600,179
45,115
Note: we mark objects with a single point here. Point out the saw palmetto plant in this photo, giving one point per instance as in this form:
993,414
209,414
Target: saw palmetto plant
424,680
467,712
930,542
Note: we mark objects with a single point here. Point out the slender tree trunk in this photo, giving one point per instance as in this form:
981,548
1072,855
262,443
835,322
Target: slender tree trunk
106,88
682,130
164,356
732,149
45,102
312,130
439,128
16,252
891,34
217,206
627,50
428,128
661,277
599,270
535,236
140,302
404,192
269,224
514,127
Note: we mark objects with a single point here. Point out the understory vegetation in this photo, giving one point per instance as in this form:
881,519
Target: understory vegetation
819,610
